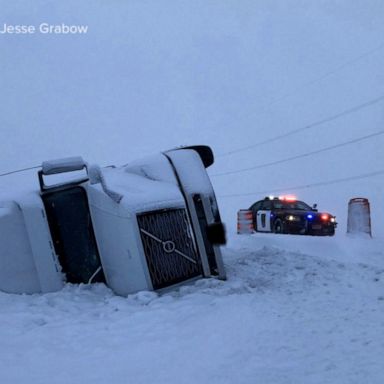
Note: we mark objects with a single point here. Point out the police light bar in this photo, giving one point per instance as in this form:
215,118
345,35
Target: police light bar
288,198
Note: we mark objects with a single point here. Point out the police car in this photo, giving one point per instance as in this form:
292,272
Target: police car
286,214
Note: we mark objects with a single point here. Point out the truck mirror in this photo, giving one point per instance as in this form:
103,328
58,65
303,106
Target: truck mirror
74,165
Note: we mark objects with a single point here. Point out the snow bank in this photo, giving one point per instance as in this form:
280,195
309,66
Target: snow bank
283,316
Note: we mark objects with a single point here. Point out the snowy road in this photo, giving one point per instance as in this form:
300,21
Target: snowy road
294,310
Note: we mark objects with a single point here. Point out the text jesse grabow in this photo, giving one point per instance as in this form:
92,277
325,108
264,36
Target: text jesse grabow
42,28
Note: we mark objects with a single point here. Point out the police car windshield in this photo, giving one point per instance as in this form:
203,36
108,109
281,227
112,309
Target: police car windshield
295,205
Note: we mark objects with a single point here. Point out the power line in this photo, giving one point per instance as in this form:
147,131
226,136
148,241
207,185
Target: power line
321,183
329,73
307,127
20,170
307,154
320,78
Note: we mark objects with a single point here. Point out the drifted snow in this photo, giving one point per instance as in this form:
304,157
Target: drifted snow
293,310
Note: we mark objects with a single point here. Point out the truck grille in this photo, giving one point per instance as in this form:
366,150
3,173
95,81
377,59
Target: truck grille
169,247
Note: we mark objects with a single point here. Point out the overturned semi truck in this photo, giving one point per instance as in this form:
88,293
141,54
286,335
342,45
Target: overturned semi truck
149,225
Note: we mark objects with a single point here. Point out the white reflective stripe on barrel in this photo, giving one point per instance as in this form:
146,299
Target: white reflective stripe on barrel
359,216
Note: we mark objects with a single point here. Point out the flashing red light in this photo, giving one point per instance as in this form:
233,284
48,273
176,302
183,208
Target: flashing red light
288,198
324,216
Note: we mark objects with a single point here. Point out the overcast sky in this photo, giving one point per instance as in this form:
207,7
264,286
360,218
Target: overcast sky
150,75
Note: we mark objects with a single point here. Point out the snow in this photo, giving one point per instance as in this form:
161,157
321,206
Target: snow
293,310
139,192
150,76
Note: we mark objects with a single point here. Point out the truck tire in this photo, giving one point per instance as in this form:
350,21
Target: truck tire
278,226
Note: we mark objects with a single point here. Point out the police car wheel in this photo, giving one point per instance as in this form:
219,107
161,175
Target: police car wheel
278,226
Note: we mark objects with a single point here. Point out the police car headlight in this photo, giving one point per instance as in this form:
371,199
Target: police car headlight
292,218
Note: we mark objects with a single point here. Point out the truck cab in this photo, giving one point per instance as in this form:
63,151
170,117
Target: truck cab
151,224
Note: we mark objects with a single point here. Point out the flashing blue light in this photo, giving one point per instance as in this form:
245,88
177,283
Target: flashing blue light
309,217
271,214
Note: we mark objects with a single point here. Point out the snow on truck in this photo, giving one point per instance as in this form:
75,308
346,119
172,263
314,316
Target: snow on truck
148,225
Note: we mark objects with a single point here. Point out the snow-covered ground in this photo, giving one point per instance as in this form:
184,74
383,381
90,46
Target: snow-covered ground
293,310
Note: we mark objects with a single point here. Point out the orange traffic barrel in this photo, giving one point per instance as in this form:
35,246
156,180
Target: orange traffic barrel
244,221
359,216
